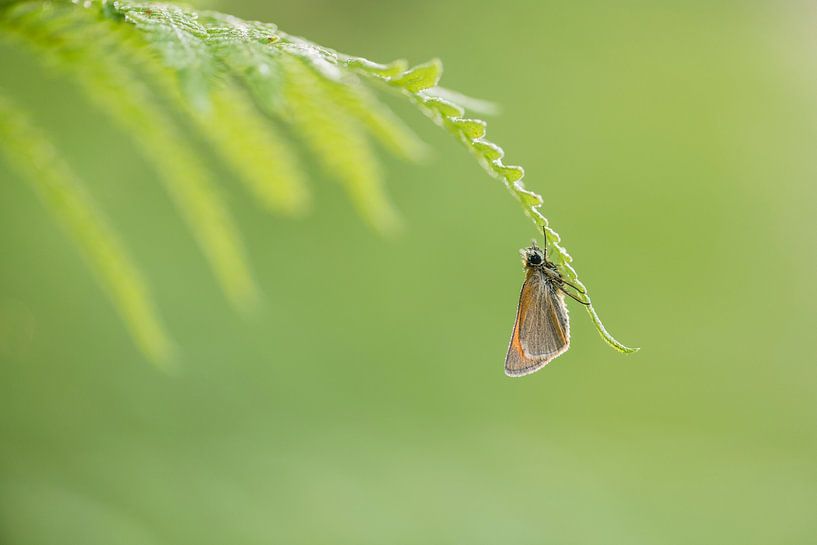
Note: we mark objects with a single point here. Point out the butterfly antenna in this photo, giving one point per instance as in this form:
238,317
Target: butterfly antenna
545,235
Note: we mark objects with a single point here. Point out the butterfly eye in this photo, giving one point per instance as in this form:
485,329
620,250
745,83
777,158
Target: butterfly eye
534,259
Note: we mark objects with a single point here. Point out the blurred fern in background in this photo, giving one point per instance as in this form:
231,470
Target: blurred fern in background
243,86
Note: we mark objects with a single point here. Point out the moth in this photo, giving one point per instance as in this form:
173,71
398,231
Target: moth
542,329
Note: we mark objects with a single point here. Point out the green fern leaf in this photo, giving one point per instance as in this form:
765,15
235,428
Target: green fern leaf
338,140
39,162
264,161
89,52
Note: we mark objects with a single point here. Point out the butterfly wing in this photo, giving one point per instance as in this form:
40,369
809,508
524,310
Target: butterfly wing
542,331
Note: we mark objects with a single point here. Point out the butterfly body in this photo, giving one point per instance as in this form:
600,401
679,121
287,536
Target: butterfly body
542,329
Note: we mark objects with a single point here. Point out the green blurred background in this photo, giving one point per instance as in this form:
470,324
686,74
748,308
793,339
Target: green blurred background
674,143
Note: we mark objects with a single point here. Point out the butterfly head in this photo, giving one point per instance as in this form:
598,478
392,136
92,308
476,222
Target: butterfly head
533,256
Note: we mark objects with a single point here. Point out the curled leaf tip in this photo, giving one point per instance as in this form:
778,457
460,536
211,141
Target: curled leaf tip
608,338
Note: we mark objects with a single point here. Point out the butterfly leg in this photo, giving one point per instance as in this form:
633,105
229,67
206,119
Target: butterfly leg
558,277
575,287
585,303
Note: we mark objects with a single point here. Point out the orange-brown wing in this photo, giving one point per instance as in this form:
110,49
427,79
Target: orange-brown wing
542,330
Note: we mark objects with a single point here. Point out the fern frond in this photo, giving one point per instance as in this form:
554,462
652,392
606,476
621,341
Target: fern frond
243,48
27,149
348,93
222,73
181,41
338,140
326,112
90,52
264,161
